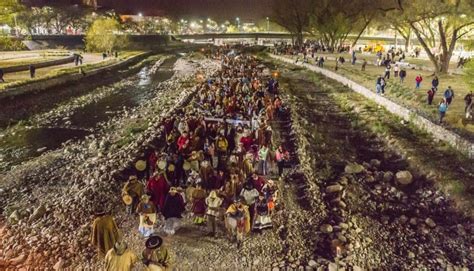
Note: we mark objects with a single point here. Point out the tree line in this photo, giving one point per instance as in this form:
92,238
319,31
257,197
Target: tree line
438,25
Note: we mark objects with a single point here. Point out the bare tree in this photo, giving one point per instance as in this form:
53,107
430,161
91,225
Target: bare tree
294,15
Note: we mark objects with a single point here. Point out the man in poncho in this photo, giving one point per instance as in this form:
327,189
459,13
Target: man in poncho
120,258
105,232
156,257
135,190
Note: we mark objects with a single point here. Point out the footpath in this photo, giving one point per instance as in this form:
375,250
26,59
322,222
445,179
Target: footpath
458,142
67,73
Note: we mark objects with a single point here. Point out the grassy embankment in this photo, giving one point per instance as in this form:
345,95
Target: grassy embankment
415,99
57,71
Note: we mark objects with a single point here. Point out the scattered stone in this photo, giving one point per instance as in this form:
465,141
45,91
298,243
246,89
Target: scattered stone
403,219
334,188
370,179
404,177
353,168
37,213
388,176
41,149
375,163
18,260
430,223
326,228
333,267
312,263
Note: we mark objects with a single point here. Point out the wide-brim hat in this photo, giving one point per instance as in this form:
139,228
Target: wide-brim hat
132,177
145,196
99,210
248,185
213,194
153,242
186,166
173,190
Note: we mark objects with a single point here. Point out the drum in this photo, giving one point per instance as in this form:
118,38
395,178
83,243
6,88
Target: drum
127,199
140,165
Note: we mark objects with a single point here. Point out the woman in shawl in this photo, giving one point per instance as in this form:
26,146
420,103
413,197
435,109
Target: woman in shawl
173,210
199,205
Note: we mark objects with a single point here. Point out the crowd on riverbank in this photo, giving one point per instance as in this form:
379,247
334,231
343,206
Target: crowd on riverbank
394,67
216,165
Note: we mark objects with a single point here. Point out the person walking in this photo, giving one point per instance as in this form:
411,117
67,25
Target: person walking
321,62
364,64
449,95
467,101
147,212
213,202
32,71
172,211
403,75
435,83
418,81
388,68
120,258
443,107
378,84
105,232
1,75
281,156
155,256
396,70
383,84
131,193
431,93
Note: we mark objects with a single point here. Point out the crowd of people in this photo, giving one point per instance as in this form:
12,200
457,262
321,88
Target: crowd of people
394,67
215,166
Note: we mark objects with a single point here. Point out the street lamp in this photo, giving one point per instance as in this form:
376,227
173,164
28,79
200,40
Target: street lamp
268,24
238,23
140,14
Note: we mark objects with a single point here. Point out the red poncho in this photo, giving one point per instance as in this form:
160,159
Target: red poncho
182,142
247,142
158,188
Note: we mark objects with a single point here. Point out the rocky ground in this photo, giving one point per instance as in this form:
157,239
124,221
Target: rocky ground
379,211
47,203
349,201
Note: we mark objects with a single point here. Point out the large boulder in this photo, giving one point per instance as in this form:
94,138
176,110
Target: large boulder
38,213
353,168
404,177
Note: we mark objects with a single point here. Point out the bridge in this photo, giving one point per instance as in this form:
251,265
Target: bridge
156,40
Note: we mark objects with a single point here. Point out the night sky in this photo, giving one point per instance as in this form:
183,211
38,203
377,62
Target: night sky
217,9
